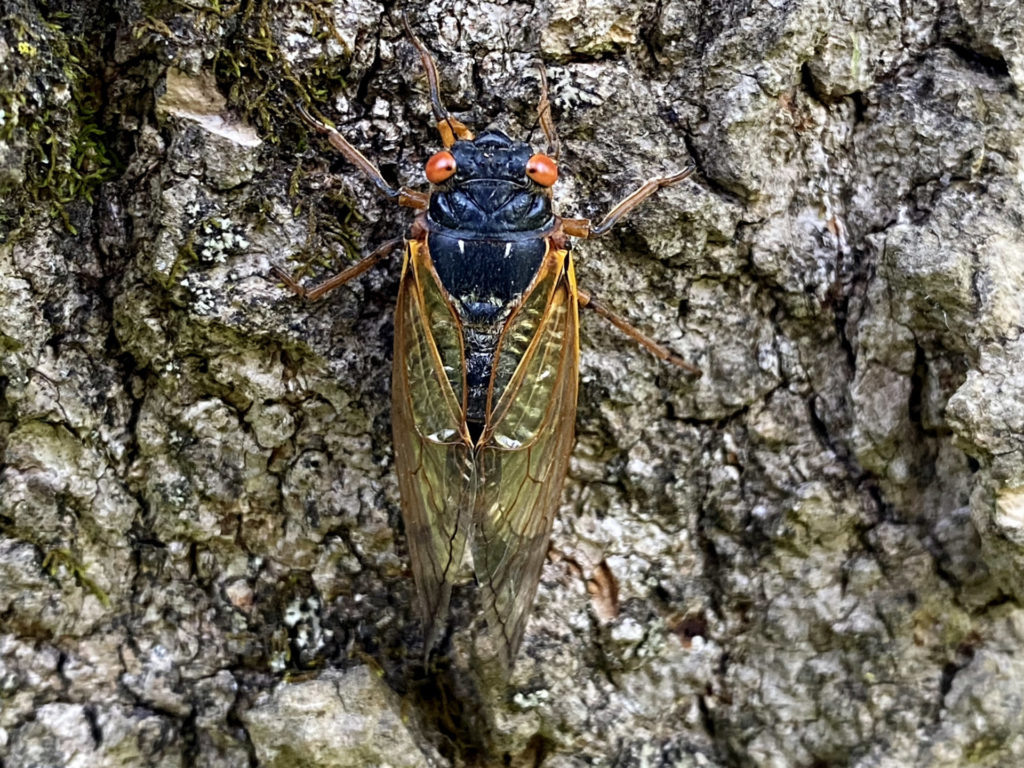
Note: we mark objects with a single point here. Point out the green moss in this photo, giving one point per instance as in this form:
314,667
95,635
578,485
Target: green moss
339,227
63,559
185,257
989,746
67,155
251,68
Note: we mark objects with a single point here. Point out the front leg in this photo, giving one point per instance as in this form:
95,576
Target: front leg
410,198
662,353
450,128
583,227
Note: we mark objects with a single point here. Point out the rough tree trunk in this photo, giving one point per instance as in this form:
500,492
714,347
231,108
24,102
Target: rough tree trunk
811,557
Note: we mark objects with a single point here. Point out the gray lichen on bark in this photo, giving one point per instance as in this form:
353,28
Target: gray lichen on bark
812,556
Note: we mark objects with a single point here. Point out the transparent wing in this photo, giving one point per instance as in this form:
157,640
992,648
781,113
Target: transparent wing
437,475
525,451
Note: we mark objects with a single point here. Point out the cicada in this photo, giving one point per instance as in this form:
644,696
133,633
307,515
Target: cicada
486,359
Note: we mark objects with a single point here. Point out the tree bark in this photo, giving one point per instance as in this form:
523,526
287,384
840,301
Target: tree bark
812,556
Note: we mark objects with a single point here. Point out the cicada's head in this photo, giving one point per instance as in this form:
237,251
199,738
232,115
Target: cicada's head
491,185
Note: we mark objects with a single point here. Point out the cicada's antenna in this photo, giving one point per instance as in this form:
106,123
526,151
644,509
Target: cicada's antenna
547,123
450,128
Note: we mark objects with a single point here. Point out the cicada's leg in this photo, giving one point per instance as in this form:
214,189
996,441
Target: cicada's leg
449,127
547,123
584,228
322,289
410,198
656,349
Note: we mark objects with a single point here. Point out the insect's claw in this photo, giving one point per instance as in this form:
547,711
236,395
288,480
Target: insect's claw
311,121
628,203
289,282
686,173
689,369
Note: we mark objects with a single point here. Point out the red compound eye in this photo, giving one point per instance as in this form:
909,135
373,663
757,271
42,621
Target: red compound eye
440,167
542,169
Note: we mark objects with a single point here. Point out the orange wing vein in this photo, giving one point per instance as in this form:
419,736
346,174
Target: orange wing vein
524,458
437,476
500,497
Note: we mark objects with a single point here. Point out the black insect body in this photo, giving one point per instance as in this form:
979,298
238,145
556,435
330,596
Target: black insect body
486,361
486,237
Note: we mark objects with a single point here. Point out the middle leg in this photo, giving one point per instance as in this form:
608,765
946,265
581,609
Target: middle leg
656,349
409,198
584,228
323,288
449,127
